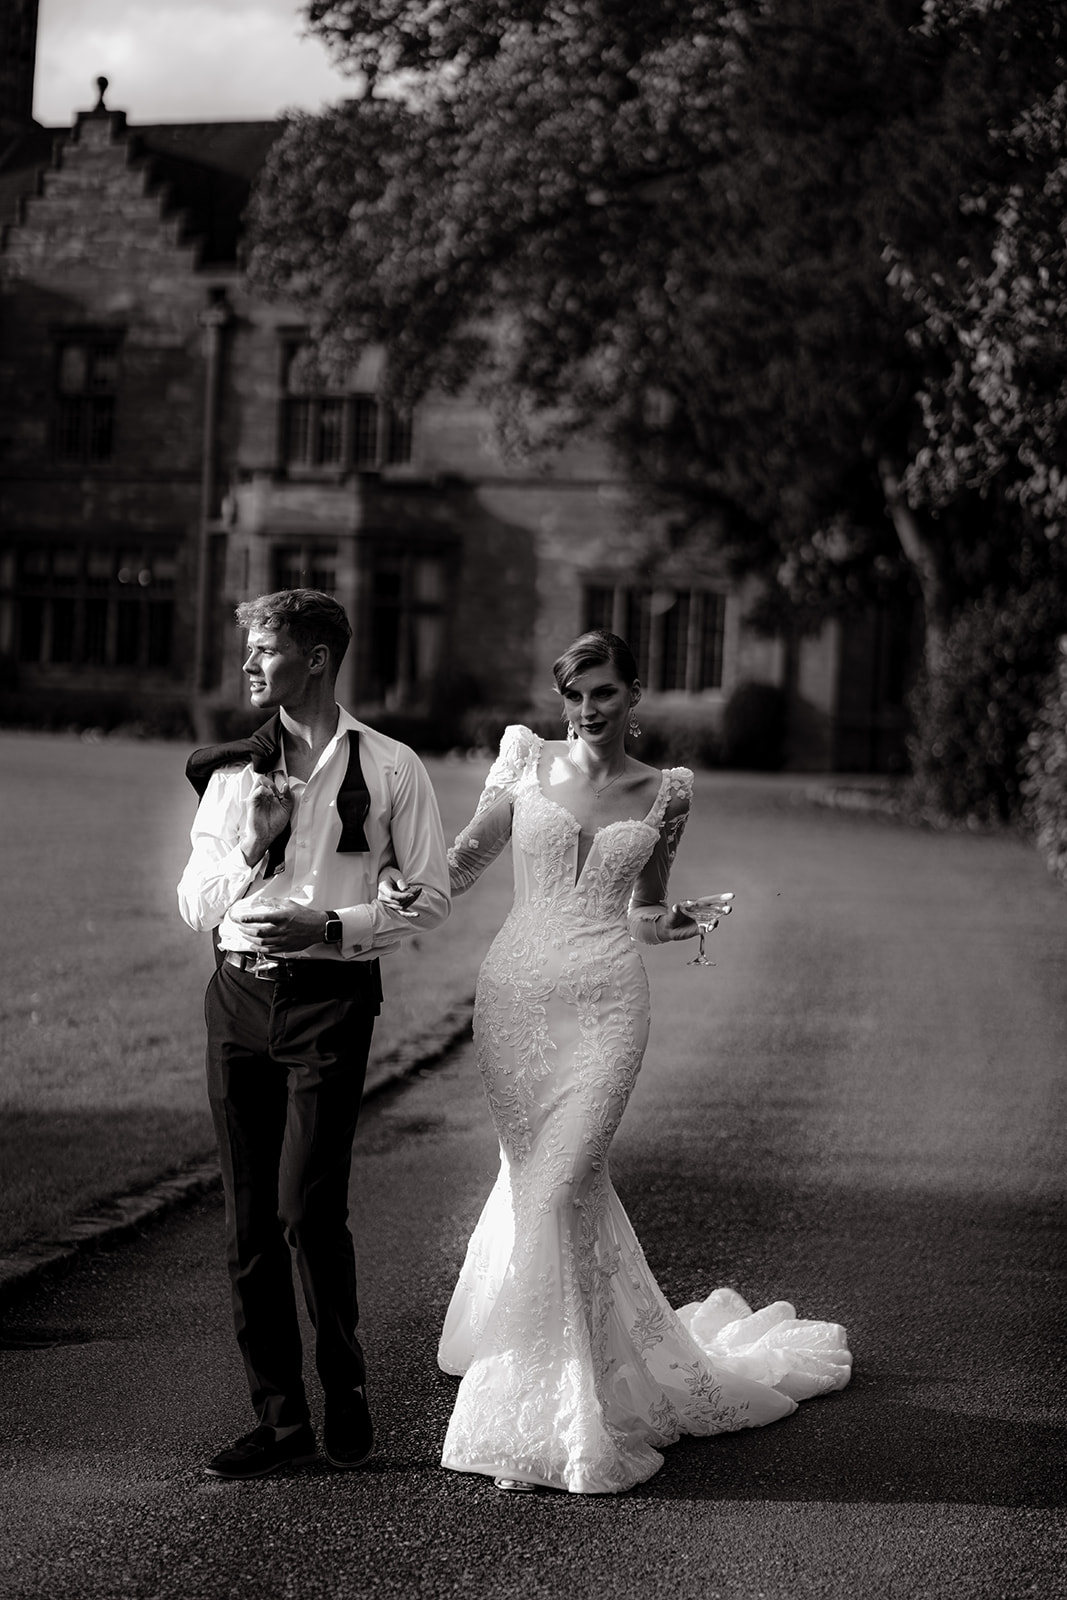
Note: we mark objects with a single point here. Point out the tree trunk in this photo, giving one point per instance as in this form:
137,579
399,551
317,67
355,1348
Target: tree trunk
920,554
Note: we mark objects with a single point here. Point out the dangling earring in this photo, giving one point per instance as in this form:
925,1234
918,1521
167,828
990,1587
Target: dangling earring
635,726
572,734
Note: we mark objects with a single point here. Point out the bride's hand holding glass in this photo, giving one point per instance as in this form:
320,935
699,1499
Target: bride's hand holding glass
703,916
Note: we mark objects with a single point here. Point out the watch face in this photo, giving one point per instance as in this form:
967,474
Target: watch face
334,931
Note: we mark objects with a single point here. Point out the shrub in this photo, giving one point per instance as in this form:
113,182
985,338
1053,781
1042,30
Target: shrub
72,710
754,726
973,720
673,734
430,733
233,722
1044,784
425,731
678,734
482,727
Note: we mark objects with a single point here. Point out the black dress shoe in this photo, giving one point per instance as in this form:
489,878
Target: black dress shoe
260,1452
348,1433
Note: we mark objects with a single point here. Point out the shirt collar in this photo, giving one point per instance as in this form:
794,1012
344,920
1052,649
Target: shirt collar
345,722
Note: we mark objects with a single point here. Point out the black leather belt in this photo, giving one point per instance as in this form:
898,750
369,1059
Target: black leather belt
259,966
313,979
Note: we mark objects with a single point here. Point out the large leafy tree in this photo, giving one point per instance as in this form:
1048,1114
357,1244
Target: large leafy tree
991,336
760,244
992,339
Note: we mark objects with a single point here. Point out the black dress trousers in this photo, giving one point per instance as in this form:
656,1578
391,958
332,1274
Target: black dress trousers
286,1063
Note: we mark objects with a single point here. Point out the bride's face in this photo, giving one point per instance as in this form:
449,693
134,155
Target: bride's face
598,705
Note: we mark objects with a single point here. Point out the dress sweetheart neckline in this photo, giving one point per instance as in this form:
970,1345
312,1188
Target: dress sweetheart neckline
620,822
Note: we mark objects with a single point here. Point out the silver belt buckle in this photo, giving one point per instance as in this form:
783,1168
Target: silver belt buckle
265,967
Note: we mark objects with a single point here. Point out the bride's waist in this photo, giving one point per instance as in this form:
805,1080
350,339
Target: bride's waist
558,919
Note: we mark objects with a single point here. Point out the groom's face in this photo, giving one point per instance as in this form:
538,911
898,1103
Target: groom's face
278,670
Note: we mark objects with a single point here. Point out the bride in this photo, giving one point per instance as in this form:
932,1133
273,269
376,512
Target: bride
575,1370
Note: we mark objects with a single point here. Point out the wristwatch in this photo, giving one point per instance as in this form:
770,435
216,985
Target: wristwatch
334,931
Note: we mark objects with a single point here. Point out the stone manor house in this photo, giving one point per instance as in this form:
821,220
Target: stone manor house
165,453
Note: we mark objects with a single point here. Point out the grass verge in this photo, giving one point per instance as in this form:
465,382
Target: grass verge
101,1046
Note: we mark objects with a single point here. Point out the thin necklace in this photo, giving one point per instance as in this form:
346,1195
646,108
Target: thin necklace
589,781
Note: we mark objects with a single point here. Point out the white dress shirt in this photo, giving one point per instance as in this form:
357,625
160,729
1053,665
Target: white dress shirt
403,828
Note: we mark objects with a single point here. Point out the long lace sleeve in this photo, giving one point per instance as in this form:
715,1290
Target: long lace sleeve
489,830
648,901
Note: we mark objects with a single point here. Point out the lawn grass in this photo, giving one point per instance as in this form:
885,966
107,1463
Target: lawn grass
101,999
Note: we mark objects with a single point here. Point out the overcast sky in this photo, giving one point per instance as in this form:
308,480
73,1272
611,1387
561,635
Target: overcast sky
179,60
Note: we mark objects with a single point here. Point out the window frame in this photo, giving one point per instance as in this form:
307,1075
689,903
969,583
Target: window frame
85,415
316,561
408,625
80,618
372,435
683,653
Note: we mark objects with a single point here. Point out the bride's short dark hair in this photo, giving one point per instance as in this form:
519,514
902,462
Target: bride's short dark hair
595,649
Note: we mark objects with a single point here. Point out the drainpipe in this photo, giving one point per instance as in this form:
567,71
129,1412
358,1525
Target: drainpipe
213,319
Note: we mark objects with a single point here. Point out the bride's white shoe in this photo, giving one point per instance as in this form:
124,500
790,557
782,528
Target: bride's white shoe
515,1484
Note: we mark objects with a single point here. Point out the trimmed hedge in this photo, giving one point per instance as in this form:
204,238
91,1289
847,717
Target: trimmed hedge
423,731
678,734
972,722
754,727
482,727
673,735
1044,784
132,715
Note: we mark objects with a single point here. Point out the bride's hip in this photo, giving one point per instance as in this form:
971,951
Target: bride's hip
571,960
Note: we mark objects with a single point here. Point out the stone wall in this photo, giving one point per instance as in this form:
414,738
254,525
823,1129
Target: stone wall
97,253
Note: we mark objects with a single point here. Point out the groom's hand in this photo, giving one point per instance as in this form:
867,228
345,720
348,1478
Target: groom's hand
274,926
266,812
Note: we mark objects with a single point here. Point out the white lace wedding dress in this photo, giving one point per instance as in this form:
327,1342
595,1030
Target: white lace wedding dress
575,1369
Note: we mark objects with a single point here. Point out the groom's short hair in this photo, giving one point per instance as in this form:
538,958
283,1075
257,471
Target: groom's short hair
311,616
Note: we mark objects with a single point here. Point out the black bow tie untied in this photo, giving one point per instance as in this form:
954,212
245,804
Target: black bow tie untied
263,749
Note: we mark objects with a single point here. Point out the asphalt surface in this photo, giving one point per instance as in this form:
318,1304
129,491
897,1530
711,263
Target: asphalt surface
859,1108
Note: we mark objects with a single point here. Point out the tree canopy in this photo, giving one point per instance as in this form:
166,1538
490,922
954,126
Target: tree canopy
802,261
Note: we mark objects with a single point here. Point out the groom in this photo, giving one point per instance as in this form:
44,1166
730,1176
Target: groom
293,830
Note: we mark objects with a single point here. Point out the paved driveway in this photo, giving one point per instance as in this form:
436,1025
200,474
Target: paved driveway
859,1108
